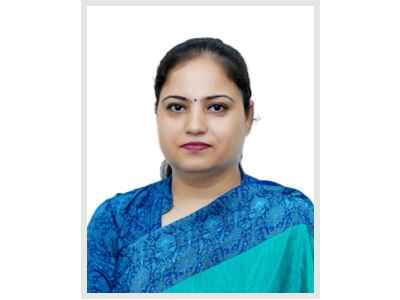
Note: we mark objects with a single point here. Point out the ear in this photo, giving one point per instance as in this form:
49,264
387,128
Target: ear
250,117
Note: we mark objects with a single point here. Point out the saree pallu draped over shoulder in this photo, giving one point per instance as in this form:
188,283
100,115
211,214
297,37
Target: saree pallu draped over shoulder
255,238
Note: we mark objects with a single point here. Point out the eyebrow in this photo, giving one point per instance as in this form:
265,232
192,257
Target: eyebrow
205,98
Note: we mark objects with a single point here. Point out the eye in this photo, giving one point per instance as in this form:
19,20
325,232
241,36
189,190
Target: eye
175,107
218,107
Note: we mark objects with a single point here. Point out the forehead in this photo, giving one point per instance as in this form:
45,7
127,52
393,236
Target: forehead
198,77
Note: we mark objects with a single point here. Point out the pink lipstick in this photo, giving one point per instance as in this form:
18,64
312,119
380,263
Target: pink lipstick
195,146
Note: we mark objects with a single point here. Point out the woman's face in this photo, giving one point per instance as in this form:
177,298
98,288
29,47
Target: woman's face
198,103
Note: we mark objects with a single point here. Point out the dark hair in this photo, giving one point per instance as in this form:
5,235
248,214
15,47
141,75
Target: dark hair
228,57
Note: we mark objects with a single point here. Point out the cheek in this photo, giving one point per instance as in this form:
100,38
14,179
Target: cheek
229,133
167,131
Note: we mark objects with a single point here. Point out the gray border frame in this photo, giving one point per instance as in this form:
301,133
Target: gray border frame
316,6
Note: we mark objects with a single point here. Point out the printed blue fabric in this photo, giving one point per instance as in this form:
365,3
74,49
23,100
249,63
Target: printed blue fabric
129,251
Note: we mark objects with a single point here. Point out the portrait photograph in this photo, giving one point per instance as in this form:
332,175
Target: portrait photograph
192,149
200,153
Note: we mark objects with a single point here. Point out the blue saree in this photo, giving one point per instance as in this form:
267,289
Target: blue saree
256,238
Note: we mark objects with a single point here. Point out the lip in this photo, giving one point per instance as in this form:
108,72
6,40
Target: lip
195,146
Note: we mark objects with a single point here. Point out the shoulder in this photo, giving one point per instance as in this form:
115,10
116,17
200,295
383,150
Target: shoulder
299,207
283,203
287,194
115,210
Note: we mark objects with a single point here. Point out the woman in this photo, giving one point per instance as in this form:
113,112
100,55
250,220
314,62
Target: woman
207,226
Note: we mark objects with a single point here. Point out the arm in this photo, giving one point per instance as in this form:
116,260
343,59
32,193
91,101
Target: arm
102,239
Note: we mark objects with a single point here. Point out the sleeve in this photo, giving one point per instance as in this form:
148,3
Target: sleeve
102,241
303,208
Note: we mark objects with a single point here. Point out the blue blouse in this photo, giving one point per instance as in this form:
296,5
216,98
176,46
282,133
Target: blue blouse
129,251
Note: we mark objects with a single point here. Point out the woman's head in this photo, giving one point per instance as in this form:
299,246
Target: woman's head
203,95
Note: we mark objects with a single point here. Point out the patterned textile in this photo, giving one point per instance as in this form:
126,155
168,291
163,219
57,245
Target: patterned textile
257,237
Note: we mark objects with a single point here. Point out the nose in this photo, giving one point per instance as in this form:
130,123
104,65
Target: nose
196,122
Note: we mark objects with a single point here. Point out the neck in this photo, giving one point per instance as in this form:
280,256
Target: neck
201,188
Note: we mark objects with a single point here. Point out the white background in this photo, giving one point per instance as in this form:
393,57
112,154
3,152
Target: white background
125,45
40,149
